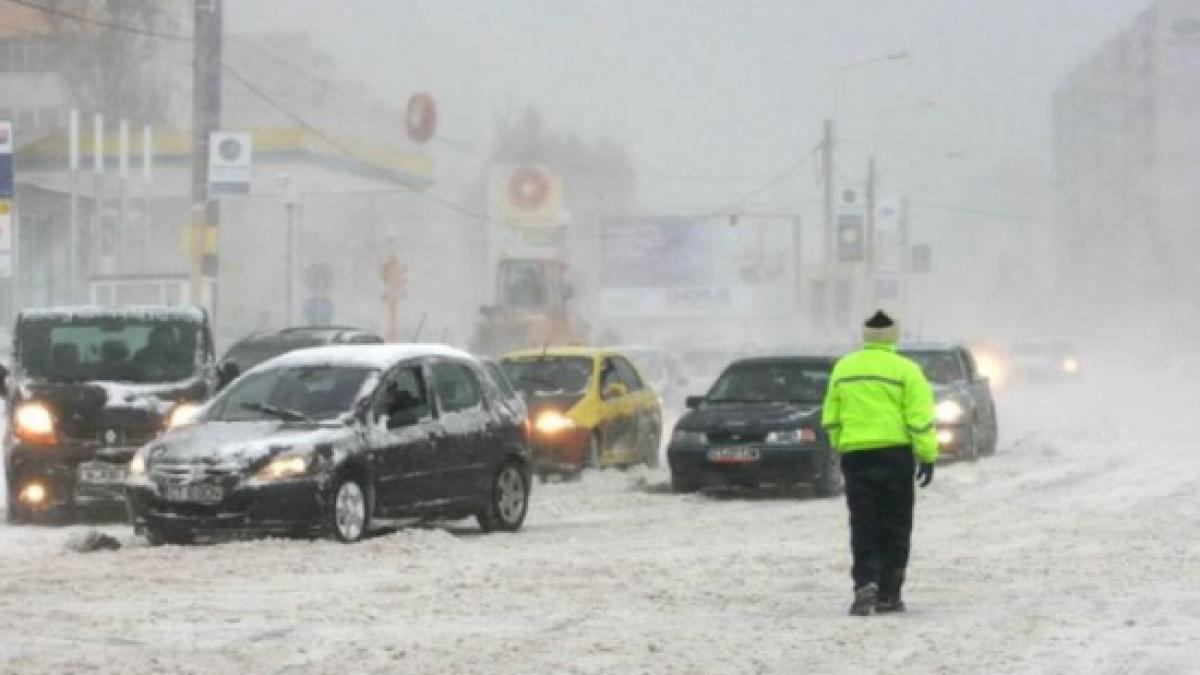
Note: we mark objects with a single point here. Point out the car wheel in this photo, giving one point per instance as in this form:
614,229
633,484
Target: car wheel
682,484
348,516
829,483
652,450
15,515
158,535
971,447
993,437
594,454
508,502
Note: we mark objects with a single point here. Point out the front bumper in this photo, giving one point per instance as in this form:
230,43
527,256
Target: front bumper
286,507
776,464
955,440
565,451
56,470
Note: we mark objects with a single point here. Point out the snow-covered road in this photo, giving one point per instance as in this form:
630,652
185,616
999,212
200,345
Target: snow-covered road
1075,549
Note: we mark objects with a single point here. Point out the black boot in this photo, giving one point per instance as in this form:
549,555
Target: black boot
889,604
865,599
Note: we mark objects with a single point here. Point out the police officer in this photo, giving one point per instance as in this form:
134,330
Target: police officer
880,416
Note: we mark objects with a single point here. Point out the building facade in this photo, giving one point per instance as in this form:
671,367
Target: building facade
1127,162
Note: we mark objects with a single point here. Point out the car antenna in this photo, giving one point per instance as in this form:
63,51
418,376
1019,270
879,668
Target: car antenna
546,343
420,325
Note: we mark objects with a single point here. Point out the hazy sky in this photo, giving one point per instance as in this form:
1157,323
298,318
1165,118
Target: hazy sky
713,98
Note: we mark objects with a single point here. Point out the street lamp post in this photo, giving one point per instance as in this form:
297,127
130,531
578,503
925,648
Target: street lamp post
829,154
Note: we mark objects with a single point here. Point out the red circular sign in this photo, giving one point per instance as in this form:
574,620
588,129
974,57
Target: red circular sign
420,118
528,188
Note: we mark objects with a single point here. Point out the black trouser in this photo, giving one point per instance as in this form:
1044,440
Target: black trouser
879,492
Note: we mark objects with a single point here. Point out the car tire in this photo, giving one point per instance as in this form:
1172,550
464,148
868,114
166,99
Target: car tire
15,515
993,437
507,501
593,452
652,447
682,484
169,535
348,513
829,483
971,449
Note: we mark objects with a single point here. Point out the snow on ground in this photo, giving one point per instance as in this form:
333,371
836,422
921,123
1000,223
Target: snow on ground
1073,550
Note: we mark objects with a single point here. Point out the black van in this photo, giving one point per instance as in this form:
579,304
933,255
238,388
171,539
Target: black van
88,387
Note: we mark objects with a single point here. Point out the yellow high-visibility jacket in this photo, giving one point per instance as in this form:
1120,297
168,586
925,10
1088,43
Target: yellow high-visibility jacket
877,399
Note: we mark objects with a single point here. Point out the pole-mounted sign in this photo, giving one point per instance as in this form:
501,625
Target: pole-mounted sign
7,190
229,168
6,160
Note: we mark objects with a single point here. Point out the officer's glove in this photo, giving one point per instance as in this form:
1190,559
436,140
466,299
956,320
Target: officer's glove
925,473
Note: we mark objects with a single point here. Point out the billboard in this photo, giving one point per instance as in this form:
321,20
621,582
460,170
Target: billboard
676,267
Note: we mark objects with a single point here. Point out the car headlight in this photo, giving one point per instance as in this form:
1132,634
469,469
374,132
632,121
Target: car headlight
686,437
137,465
183,413
791,436
1070,365
33,422
949,412
289,465
552,422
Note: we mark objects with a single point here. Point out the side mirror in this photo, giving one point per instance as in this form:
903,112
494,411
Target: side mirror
694,402
614,390
227,372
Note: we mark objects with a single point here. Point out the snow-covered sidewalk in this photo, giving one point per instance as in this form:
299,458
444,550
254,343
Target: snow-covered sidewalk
1073,550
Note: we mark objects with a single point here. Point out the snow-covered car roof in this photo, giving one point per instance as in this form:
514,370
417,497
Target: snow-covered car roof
378,357
89,312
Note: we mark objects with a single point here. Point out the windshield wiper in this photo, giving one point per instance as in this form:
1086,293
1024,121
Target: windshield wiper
285,414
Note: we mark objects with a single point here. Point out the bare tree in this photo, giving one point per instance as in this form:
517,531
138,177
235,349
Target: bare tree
110,60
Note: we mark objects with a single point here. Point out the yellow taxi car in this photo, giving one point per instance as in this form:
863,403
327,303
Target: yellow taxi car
587,408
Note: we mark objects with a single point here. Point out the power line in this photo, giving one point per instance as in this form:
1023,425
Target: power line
783,175
342,149
113,25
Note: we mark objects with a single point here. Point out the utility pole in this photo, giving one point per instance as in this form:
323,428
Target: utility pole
869,240
868,291
206,118
827,182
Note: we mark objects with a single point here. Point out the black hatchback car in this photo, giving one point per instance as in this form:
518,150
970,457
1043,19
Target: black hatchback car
759,424
336,441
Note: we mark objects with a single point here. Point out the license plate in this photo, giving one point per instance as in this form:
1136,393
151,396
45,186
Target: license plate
100,473
733,455
193,493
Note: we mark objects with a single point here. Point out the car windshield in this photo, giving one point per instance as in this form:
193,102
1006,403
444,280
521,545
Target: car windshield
777,382
941,367
113,348
549,375
292,394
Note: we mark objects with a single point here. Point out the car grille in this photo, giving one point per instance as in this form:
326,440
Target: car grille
726,437
193,473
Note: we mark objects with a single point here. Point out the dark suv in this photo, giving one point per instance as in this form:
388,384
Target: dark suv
258,347
337,440
89,386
